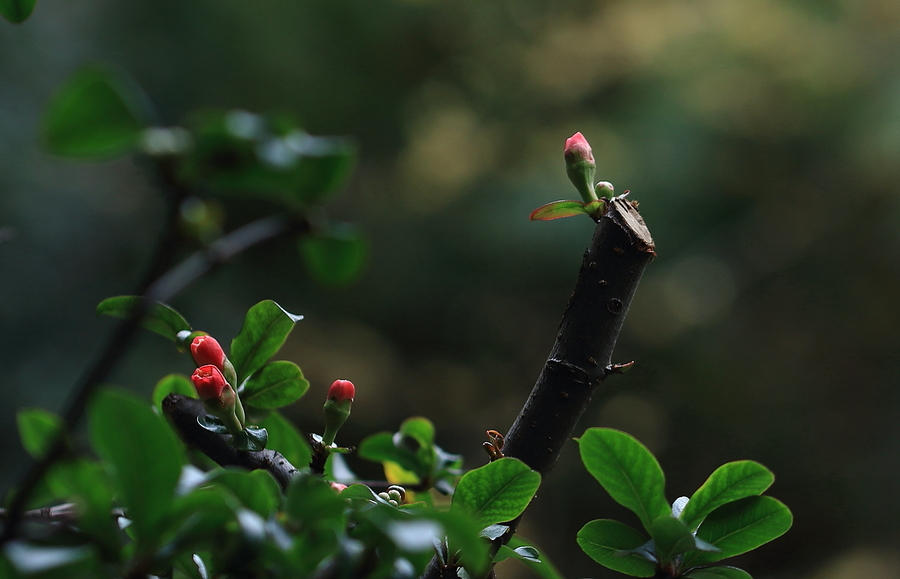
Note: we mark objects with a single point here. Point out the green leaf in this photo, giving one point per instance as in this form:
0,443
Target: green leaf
256,490
740,526
311,501
38,429
729,482
419,429
496,492
97,113
212,424
558,210
464,538
158,318
719,573
172,384
334,258
380,447
274,385
523,553
251,439
543,568
670,538
286,439
143,454
609,542
199,517
626,470
266,327
16,11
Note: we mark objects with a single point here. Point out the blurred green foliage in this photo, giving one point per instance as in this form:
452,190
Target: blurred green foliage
760,137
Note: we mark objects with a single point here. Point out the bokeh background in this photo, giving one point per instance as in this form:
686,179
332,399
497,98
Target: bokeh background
761,137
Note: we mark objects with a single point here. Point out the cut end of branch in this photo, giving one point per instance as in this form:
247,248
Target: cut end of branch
625,214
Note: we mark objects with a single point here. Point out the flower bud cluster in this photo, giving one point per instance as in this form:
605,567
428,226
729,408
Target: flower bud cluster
213,379
395,495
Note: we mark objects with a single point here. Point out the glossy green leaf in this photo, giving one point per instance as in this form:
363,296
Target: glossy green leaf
411,447
496,492
16,11
543,568
523,553
172,384
256,490
334,258
609,542
380,447
670,537
274,385
95,114
143,454
38,429
419,429
719,573
251,439
729,482
740,526
626,470
286,439
266,327
558,210
158,318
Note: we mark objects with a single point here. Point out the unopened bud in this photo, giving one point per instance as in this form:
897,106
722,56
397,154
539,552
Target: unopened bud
206,350
605,189
337,408
218,397
341,391
209,382
580,166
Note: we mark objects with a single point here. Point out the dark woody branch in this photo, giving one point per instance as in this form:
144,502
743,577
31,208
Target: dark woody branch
183,411
581,358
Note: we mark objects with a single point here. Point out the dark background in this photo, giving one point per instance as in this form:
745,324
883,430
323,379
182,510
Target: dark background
762,139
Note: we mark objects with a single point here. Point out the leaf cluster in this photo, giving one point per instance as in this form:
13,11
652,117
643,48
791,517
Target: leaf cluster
726,516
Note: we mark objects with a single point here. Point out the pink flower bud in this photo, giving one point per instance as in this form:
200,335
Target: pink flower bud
578,150
338,487
580,166
209,382
206,350
342,390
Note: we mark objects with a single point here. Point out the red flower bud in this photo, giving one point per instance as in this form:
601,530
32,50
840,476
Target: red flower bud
578,150
342,390
209,382
206,350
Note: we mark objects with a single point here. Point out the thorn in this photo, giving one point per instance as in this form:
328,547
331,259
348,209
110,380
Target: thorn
619,368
